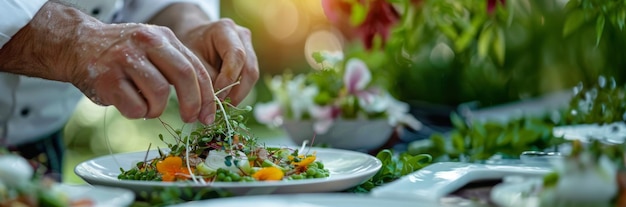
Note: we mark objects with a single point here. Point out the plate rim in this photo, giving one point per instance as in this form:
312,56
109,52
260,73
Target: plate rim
90,178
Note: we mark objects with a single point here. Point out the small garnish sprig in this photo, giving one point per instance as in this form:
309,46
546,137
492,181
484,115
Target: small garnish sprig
216,135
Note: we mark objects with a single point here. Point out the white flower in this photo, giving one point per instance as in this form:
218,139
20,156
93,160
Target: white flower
300,96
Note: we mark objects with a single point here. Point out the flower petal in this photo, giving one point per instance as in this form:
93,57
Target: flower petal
356,76
268,113
169,164
268,173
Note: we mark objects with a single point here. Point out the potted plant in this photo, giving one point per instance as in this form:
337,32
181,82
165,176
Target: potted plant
338,105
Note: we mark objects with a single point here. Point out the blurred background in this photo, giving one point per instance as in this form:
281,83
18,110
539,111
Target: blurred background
532,58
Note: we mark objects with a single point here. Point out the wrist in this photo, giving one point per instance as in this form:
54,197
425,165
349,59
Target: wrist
47,47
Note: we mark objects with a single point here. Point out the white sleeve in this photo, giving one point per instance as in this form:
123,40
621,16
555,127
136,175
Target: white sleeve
15,14
143,10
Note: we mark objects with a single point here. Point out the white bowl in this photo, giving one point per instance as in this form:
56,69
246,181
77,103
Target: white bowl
343,134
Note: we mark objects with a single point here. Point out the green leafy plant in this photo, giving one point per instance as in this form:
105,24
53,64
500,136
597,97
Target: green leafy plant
394,167
451,52
480,141
604,102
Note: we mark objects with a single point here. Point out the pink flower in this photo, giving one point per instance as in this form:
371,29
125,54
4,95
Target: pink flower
381,17
356,79
491,5
356,76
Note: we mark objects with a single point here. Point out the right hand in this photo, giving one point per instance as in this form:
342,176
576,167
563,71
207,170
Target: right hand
131,66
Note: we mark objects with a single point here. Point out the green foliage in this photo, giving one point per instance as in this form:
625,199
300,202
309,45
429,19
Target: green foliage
584,11
604,102
479,141
393,167
453,51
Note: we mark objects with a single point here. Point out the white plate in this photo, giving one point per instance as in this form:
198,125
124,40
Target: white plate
307,200
522,193
440,179
100,196
347,169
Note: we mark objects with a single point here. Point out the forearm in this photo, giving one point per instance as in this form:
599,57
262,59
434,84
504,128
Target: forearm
181,17
46,46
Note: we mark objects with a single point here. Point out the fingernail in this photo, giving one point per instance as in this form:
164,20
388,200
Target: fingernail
210,119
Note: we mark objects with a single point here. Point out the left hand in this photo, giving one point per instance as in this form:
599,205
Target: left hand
226,51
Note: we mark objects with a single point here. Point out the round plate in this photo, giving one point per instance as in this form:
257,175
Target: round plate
308,200
347,169
100,196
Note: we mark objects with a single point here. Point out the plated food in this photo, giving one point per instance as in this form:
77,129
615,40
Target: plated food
225,151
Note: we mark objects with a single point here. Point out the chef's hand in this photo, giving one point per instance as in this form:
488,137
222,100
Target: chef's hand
130,66
223,47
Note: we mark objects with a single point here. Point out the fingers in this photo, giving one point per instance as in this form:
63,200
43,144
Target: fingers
250,71
134,73
232,51
129,102
151,84
208,108
181,73
114,89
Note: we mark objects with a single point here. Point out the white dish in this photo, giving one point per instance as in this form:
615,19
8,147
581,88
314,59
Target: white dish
347,169
307,200
440,179
100,196
520,193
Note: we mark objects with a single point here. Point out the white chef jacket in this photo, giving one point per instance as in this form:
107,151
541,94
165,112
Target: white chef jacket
31,108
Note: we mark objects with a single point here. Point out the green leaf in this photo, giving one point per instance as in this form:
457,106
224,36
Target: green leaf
411,164
458,142
574,20
457,121
599,29
469,34
318,57
484,41
385,156
439,142
448,30
499,46
571,5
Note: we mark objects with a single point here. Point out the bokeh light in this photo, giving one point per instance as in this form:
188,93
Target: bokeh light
281,19
321,40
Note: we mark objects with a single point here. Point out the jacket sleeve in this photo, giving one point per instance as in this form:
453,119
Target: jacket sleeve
15,14
143,10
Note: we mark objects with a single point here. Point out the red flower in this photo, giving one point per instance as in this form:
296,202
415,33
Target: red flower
381,17
491,5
